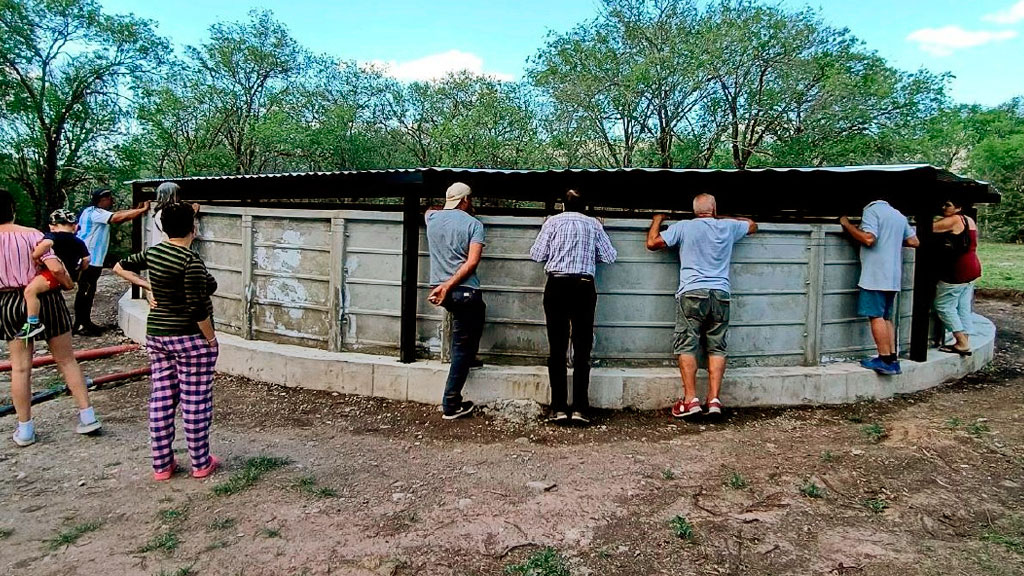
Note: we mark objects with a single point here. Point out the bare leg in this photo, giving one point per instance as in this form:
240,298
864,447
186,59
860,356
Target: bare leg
892,336
37,286
688,372
883,337
962,341
716,370
21,378
64,355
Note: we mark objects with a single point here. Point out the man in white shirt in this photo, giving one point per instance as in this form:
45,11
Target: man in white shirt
94,229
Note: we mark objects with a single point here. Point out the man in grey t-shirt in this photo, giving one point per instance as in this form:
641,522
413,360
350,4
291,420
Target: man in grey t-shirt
882,234
702,300
456,243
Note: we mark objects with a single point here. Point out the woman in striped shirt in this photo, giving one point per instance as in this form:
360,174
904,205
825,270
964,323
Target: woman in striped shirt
17,269
180,339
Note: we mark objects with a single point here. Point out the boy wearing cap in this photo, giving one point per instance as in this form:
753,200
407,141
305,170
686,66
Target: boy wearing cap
71,251
94,230
456,242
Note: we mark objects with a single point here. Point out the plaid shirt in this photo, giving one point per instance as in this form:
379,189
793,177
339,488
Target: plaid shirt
572,243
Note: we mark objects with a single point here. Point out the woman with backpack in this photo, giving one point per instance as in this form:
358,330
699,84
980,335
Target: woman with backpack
957,235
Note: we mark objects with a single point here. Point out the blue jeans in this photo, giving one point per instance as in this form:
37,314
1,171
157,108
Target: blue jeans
467,308
953,305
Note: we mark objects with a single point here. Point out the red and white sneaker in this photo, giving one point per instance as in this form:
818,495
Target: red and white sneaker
714,407
683,409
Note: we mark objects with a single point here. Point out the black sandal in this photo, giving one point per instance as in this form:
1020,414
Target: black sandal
954,350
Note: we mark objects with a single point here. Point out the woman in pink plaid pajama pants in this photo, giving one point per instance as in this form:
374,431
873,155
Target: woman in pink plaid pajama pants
181,341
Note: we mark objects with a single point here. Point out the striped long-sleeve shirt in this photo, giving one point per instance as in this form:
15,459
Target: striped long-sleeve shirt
181,287
572,243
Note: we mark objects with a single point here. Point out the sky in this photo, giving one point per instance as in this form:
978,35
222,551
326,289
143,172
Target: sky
980,42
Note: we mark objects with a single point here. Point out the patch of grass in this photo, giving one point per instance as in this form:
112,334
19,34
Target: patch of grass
271,532
308,485
71,535
1009,535
6,533
183,571
828,457
1003,269
173,514
250,474
874,432
547,562
854,417
876,505
219,544
954,422
978,428
668,474
812,490
737,481
222,524
682,528
165,541
325,492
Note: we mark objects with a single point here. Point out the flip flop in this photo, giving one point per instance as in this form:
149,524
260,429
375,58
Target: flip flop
954,350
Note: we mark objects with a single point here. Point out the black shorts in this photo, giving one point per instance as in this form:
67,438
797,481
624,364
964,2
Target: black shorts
53,313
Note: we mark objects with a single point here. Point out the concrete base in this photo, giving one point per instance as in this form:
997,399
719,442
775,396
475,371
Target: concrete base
639,388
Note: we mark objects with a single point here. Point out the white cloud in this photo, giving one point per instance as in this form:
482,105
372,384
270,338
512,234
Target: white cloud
436,66
1011,15
944,41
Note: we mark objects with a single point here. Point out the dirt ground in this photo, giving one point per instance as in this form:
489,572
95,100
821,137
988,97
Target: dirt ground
920,485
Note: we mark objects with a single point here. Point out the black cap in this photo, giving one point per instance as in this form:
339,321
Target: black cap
101,193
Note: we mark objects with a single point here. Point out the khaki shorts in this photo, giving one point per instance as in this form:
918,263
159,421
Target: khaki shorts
701,313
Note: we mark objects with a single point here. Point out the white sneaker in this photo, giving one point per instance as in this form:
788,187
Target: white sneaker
22,440
88,428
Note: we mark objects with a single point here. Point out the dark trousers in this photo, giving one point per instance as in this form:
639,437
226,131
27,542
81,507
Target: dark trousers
86,293
569,302
467,308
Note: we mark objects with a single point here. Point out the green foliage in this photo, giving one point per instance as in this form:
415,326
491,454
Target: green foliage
251,473
876,505
222,523
173,514
668,474
1002,266
546,562
183,571
828,457
308,485
271,532
166,542
874,432
682,528
71,535
737,481
812,490
978,428
954,422
1008,533
6,533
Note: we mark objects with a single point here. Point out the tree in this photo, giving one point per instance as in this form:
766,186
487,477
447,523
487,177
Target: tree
463,120
65,68
249,70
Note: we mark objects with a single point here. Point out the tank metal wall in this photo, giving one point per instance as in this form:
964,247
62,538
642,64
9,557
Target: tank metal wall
332,280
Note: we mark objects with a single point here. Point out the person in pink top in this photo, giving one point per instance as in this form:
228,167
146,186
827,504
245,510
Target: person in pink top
17,269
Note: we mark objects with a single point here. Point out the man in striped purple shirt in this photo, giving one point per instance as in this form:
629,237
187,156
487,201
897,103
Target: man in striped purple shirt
571,244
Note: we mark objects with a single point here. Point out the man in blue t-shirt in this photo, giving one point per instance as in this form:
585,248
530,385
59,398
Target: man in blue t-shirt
456,242
702,300
94,229
882,234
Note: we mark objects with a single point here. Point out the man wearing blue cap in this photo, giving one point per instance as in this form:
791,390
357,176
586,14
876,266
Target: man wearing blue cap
94,229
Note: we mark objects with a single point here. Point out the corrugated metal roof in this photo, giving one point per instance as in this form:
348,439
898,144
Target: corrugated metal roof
940,173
